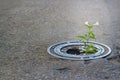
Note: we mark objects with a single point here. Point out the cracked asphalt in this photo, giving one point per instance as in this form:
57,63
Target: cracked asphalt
28,27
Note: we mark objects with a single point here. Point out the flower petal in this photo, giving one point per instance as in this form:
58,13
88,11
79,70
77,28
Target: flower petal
96,24
86,23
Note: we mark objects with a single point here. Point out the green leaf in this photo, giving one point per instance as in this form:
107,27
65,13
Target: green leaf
81,37
89,26
86,36
90,45
90,50
90,32
92,35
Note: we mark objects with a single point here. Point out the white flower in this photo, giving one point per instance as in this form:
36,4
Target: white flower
96,24
86,23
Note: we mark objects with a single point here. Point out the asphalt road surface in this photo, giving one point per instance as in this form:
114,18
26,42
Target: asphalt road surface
28,27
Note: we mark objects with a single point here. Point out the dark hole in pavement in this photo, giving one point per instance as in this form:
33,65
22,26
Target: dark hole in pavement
61,69
73,51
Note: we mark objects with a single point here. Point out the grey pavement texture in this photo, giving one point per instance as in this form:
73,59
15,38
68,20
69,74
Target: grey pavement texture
28,27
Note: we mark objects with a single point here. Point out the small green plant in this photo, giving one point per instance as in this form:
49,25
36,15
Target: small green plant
90,35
